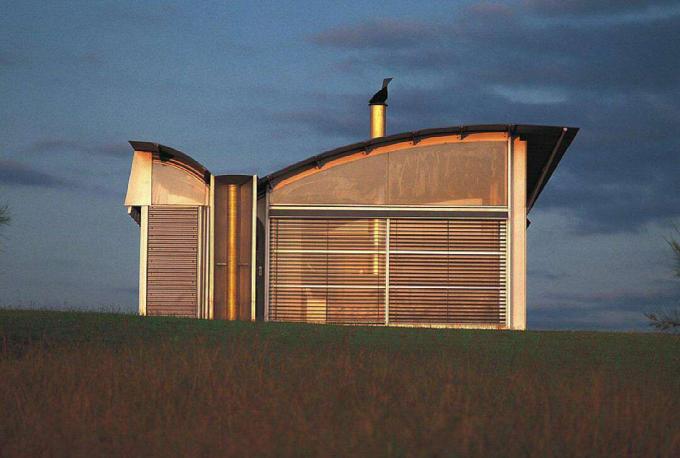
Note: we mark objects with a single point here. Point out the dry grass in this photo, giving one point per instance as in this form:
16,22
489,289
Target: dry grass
93,384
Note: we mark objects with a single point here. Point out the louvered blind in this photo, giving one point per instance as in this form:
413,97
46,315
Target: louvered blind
441,271
447,271
327,270
172,261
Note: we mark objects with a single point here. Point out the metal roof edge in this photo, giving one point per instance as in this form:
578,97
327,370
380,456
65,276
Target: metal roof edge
561,149
173,153
515,129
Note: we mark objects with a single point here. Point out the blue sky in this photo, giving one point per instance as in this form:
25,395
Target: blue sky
251,87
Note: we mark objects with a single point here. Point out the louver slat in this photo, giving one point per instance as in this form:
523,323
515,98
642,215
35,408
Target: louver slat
447,271
172,261
327,270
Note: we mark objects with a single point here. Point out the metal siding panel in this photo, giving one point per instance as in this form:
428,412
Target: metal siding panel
172,272
234,244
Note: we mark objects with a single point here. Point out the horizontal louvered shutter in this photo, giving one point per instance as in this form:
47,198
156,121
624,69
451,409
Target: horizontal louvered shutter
172,260
447,271
327,270
441,271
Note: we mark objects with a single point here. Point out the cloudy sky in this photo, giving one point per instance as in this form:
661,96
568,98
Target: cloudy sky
250,88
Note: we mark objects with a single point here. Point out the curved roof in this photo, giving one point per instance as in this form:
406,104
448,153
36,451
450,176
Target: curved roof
546,145
172,155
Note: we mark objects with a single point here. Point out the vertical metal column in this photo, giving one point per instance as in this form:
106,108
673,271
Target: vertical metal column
199,265
378,120
143,257
387,272
509,234
211,252
232,258
267,241
253,253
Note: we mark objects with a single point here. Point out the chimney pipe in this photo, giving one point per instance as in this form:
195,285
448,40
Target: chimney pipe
379,110
378,120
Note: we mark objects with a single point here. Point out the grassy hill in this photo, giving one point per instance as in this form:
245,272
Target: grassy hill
78,384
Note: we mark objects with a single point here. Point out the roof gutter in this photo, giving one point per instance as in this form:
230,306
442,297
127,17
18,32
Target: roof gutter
546,168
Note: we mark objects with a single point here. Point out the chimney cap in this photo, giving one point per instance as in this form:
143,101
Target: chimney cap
380,97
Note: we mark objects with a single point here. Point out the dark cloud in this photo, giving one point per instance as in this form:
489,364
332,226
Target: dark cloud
332,115
619,82
330,124
641,301
122,14
496,48
56,145
608,310
7,59
83,61
131,291
13,173
571,318
91,58
383,34
99,164
543,275
590,7
615,207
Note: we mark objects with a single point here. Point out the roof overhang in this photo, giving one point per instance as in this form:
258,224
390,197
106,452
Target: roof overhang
545,147
166,153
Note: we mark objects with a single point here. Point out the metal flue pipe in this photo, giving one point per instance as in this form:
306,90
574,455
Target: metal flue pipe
378,120
378,105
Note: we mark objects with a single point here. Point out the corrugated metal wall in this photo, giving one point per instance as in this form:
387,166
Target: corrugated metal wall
173,261
417,271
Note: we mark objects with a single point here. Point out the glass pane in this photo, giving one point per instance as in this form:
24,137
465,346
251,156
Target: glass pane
174,186
447,174
359,181
467,174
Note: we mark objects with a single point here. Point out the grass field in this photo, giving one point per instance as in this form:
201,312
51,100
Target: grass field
84,384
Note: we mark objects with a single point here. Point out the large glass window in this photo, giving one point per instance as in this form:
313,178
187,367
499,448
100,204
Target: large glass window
447,174
396,270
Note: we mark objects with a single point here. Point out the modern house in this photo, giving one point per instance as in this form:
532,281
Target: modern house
424,228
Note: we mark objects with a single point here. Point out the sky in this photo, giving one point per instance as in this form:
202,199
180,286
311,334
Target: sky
249,87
